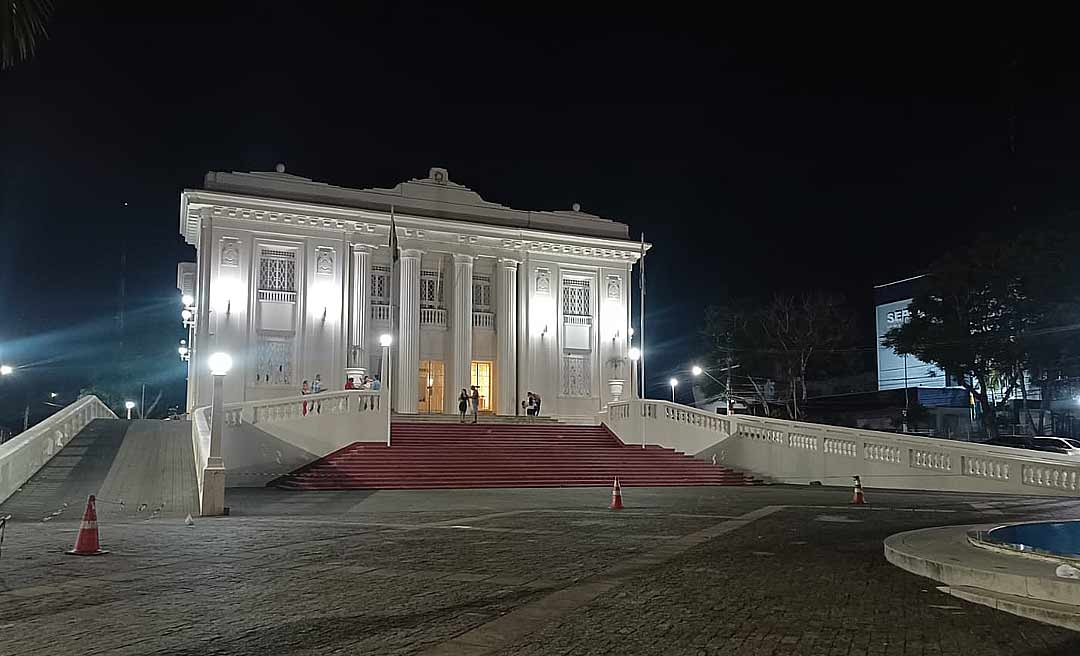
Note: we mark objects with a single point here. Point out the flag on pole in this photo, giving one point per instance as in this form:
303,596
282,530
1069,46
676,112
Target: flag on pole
393,238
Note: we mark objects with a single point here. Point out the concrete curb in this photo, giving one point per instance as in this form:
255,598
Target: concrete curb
1015,584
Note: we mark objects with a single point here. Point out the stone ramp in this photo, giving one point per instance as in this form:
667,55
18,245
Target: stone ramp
139,462
154,471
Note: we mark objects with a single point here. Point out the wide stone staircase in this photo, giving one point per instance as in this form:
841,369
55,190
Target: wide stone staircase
545,453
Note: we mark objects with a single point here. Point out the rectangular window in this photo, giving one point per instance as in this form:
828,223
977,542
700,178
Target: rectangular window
577,376
431,292
481,293
273,362
576,297
277,270
380,284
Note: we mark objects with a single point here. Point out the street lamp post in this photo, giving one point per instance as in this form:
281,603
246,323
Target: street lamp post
385,340
214,472
673,382
697,371
130,405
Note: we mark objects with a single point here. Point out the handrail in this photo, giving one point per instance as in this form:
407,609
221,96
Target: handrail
23,455
293,407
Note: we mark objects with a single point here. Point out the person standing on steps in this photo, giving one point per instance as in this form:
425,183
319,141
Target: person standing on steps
304,391
475,403
536,404
316,387
463,404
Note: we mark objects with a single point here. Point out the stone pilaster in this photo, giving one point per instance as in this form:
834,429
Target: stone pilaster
461,347
506,336
359,307
408,332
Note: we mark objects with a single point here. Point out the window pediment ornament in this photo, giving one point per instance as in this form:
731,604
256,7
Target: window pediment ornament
614,288
230,252
324,261
543,281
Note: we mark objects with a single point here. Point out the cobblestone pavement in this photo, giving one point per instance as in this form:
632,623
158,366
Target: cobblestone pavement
770,570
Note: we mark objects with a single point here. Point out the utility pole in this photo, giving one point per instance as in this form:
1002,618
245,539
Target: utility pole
731,345
142,406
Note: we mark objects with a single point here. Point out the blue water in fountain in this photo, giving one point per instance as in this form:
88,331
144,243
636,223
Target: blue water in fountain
1060,538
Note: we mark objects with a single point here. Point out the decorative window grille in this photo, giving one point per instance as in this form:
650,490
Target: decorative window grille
273,362
577,376
481,293
431,292
575,297
277,270
380,284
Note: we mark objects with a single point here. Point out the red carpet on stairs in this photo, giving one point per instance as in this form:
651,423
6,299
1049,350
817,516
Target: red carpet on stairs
448,455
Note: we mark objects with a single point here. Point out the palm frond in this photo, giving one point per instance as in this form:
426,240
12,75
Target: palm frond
22,27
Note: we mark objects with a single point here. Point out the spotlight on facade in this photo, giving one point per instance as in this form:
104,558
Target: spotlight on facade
220,363
634,353
696,370
6,369
188,300
386,339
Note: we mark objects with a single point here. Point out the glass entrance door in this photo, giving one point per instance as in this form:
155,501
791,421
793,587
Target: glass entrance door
481,377
430,381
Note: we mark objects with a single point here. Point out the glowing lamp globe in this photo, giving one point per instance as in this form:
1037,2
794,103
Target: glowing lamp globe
129,404
188,300
386,339
635,354
696,370
219,363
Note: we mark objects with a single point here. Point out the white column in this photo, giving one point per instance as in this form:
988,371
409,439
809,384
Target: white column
359,307
461,347
506,336
408,329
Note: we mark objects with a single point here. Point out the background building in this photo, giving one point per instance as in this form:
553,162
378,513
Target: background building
895,371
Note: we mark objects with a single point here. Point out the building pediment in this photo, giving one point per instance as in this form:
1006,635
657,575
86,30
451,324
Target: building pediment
434,196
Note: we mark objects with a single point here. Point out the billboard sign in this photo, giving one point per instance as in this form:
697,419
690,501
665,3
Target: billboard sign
894,370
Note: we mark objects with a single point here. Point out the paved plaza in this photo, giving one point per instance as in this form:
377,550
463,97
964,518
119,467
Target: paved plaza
689,571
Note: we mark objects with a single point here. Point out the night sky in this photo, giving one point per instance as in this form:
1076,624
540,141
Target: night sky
759,155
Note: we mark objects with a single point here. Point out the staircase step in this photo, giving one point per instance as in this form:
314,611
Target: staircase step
439,452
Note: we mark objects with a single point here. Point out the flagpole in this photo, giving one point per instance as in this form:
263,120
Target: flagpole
641,320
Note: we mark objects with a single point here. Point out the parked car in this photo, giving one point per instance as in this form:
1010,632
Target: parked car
1060,445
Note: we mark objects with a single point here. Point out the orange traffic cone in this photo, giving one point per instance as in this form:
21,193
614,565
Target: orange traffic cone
86,544
616,496
858,498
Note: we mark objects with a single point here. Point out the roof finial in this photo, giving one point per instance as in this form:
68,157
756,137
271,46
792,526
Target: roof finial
280,168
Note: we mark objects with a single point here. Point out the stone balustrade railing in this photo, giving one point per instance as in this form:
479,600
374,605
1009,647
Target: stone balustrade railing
23,455
433,317
799,452
296,407
380,312
669,424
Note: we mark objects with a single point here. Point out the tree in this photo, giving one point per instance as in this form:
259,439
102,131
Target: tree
988,312
781,341
22,27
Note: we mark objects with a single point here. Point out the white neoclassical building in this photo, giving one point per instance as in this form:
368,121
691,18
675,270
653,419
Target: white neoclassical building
296,278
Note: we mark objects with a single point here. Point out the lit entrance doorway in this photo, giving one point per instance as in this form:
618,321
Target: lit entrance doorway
481,377
431,381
